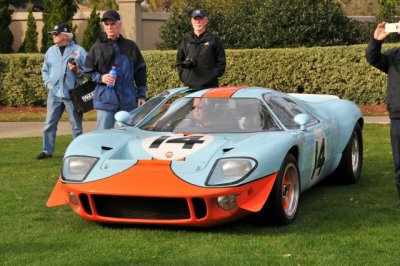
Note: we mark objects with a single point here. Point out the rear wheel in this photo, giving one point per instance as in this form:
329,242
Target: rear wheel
283,202
349,169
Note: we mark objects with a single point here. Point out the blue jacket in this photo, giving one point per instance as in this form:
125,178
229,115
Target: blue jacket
56,75
131,79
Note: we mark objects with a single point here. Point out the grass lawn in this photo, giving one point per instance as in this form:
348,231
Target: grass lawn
337,225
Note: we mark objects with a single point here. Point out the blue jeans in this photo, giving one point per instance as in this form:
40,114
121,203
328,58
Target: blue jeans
55,109
105,119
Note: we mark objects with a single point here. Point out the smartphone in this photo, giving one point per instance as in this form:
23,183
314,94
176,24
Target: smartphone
392,27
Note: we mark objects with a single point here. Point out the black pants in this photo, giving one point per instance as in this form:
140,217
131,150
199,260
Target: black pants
395,140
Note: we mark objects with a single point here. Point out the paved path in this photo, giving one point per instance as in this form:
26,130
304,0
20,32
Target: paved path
35,129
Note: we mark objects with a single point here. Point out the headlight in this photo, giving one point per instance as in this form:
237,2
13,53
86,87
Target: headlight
76,168
230,170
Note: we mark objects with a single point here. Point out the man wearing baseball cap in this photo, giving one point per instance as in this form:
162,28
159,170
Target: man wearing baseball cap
61,72
130,88
201,56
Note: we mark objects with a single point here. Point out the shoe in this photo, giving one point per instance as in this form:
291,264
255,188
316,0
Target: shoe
43,155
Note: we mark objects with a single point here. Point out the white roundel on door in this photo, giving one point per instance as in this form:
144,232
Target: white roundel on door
175,147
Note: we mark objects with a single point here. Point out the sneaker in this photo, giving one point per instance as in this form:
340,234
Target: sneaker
43,155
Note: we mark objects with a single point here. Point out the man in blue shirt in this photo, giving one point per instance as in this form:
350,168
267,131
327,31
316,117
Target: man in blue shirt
61,72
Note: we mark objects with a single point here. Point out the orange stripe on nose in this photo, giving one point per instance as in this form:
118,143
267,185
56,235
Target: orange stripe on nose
224,92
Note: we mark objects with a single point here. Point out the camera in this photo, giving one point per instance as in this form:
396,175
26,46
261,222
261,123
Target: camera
72,61
189,62
392,27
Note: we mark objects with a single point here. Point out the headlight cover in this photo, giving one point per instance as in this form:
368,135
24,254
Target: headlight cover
76,168
229,171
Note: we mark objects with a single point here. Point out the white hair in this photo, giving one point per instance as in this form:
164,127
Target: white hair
69,35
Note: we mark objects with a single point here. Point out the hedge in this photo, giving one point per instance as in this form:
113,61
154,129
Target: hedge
339,70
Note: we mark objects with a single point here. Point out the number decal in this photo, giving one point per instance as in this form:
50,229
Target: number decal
175,147
188,142
155,144
319,158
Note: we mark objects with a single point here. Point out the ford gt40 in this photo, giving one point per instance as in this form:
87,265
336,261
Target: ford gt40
208,157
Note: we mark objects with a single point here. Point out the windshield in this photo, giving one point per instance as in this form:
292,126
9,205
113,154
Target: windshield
213,115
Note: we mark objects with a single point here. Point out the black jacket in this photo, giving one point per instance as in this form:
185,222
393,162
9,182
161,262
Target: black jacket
131,78
208,60
388,62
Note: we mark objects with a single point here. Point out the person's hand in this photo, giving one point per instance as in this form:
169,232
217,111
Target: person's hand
74,67
141,102
380,32
107,79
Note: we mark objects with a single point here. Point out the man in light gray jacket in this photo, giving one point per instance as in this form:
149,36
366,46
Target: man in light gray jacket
61,72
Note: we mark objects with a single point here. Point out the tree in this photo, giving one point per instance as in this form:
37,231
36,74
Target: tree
92,31
103,4
267,24
387,9
55,12
31,36
6,39
295,23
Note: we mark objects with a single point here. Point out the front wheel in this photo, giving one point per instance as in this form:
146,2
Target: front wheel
283,202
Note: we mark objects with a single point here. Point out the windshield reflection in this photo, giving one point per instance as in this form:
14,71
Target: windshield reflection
212,115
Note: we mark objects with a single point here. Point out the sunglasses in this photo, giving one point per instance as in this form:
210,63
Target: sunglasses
55,34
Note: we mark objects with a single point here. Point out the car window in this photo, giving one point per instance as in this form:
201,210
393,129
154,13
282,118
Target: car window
286,109
218,115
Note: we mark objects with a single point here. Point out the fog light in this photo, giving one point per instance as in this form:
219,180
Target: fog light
227,202
73,199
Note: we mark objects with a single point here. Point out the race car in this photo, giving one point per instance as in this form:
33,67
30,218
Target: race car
208,157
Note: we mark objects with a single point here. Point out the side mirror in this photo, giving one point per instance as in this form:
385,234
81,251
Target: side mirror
302,120
122,118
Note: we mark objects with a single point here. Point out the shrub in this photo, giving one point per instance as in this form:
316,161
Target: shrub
338,70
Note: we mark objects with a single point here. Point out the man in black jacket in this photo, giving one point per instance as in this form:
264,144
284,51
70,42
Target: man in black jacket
130,84
201,56
389,62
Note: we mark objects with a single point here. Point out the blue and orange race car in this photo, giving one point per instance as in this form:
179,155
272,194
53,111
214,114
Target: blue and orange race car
210,157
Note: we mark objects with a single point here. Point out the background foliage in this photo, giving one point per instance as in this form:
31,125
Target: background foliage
6,37
92,31
339,70
31,36
268,24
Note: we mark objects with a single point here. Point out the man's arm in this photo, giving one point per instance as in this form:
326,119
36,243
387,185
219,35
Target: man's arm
140,74
46,72
373,52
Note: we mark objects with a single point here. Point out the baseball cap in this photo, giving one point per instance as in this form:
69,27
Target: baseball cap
111,14
199,13
61,28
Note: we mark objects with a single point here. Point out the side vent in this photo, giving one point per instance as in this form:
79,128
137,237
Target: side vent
104,148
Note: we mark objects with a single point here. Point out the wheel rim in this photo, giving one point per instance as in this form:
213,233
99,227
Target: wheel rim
355,153
290,190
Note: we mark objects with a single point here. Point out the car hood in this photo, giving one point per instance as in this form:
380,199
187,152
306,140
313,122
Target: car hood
192,156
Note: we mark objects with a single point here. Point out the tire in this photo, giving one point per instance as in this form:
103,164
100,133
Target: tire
349,169
283,202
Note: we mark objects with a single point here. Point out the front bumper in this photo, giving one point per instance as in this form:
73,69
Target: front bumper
150,193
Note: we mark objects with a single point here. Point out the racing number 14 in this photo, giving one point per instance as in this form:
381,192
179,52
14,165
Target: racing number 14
319,159
188,142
